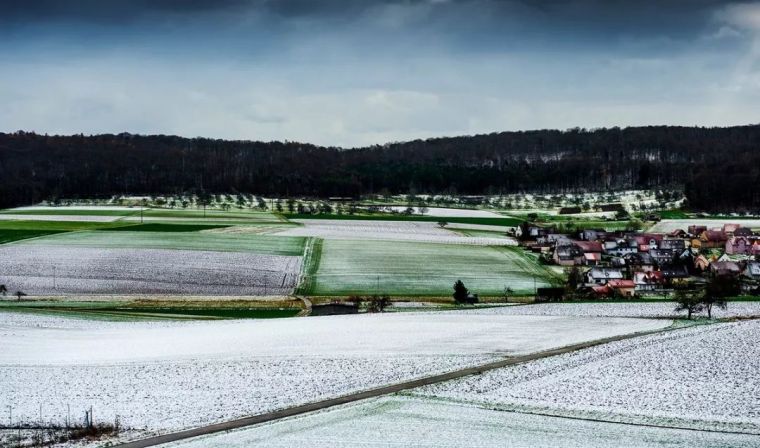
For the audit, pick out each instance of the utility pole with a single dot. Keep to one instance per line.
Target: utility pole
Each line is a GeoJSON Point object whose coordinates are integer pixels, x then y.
{"type": "Point", "coordinates": [10, 416]}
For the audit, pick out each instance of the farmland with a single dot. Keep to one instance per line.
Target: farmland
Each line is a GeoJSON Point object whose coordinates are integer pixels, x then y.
{"type": "Point", "coordinates": [408, 268]}
{"type": "Point", "coordinates": [696, 378]}
{"type": "Point", "coordinates": [428, 422]}
{"type": "Point", "coordinates": [126, 249]}
{"type": "Point", "coordinates": [173, 375]}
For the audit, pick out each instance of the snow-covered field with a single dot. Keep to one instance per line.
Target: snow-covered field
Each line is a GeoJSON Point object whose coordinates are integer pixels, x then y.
{"type": "Point", "coordinates": [622, 309]}
{"type": "Point", "coordinates": [172, 375]}
{"type": "Point", "coordinates": [52, 269]}
{"type": "Point", "coordinates": [428, 232]}
{"type": "Point", "coordinates": [413, 422]}
{"type": "Point", "coordinates": [669, 225]}
{"type": "Point", "coordinates": [701, 377]}
{"type": "Point", "coordinates": [449, 212]}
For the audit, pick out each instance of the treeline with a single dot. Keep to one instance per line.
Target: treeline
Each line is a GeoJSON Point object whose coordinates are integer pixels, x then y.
{"type": "Point", "coordinates": [718, 168]}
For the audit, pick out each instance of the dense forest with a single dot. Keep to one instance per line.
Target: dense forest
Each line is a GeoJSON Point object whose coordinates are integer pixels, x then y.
{"type": "Point", "coordinates": [718, 168]}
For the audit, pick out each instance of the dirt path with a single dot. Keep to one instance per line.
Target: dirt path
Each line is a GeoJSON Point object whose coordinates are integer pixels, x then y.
{"type": "Point", "coordinates": [372, 393]}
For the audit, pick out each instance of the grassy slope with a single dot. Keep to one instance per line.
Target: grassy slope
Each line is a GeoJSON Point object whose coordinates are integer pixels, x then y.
{"type": "Point", "coordinates": [422, 269]}
{"type": "Point", "coordinates": [261, 244]}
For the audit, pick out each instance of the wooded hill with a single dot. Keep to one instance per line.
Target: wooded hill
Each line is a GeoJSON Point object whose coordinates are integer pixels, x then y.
{"type": "Point", "coordinates": [718, 168]}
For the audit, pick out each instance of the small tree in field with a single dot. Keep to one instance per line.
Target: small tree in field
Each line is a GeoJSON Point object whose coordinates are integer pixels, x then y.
{"type": "Point", "coordinates": [507, 293]}
{"type": "Point", "coordinates": [3, 290]}
{"type": "Point", "coordinates": [378, 304]}
{"type": "Point", "coordinates": [460, 292]}
{"type": "Point", "coordinates": [19, 295]}
{"type": "Point", "coordinates": [718, 289]}
{"type": "Point", "coordinates": [442, 224]}
{"type": "Point", "coordinates": [689, 301]}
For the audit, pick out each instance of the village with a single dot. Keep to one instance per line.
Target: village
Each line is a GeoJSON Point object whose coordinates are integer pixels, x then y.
{"type": "Point", "coordinates": [626, 264]}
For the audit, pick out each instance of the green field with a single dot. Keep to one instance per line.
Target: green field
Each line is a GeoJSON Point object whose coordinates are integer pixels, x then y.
{"type": "Point", "coordinates": [63, 211]}
{"type": "Point", "coordinates": [421, 269]}
{"type": "Point", "coordinates": [261, 244]}
{"type": "Point", "coordinates": [10, 235]}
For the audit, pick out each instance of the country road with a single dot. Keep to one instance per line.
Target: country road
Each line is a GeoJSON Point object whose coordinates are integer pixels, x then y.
{"type": "Point", "coordinates": [372, 393]}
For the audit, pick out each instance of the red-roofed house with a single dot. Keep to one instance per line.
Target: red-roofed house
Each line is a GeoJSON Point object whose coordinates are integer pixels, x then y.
{"type": "Point", "coordinates": [713, 238]}
{"type": "Point", "coordinates": [626, 288]}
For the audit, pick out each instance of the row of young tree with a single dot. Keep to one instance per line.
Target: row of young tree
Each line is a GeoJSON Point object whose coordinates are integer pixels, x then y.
{"type": "Point", "coordinates": [716, 167]}
{"type": "Point", "coordinates": [704, 298]}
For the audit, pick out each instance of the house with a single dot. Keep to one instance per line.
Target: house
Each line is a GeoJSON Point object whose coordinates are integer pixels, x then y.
{"type": "Point", "coordinates": [591, 258]}
{"type": "Point", "coordinates": [647, 281]}
{"type": "Point", "coordinates": [646, 242]}
{"type": "Point", "coordinates": [743, 231]}
{"type": "Point", "coordinates": [620, 248]}
{"type": "Point", "coordinates": [625, 288]}
{"type": "Point", "coordinates": [725, 268]}
{"type": "Point", "coordinates": [641, 261]}
{"type": "Point", "coordinates": [678, 233]}
{"type": "Point", "coordinates": [568, 255]}
{"type": "Point", "coordinates": [713, 238]}
{"type": "Point", "coordinates": [589, 246]}
{"type": "Point", "coordinates": [696, 243]}
{"type": "Point", "coordinates": [701, 263]}
{"type": "Point", "coordinates": [569, 210]}
{"type": "Point", "coordinates": [673, 244]}
{"type": "Point", "coordinates": [674, 274]}
{"type": "Point", "coordinates": [752, 271]}
{"type": "Point", "coordinates": [738, 245]}
{"type": "Point", "coordinates": [592, 234]}
{"type": "Point", "coordinates": [696, 230]}
{"type": "Point", "coordinates": [729, 229]}
{"type": "Point", "coordinates": [663, 256]}
{"type": "Point", "coordinates": [755, 249]}
{"type": "Point", "coordinates": [600, 275]}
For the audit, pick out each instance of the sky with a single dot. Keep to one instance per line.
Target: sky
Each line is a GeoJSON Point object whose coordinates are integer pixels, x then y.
{"type": "Point", "coordinates": [356, 73]}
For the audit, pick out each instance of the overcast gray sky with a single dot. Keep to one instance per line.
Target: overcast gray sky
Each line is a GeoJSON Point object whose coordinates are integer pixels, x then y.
{"type": "Point", "coordinates": [353, 73]}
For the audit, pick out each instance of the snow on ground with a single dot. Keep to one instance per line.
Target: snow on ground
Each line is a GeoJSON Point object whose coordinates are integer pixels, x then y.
{"type": "Point", "coordinates": [448, 212]}
{"type": "Point", "coordinates": [669, 225]}
{"type": "Point", "coordinates": [61, 218]}
{"type": "Point", "coordinates": [172, 375]}
{"type": "Point", "coordinates": [403, 421]}
{"type": "Point", "coordinates": [617, 309]}
{"type": "Point", "coordinates": [703, 377]}
{"type": "Point", "coordinates": [428, 232]}
{"type": "Point", "coordinates": [50, 270]}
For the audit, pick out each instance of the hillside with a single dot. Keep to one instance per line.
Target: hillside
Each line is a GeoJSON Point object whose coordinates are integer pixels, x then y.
{"type": "Point", "coordinates": [716, 167]}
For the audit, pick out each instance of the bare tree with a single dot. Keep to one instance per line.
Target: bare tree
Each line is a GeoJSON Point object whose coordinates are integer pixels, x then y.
{"type": "Point", "coordinates": [689, 301]}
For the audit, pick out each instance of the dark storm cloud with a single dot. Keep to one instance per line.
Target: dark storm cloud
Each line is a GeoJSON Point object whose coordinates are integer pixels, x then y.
{"type": "Point", "coordinates": [594, 14]}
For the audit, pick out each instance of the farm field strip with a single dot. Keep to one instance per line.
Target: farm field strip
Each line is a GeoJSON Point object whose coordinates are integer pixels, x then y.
{"type": "Point", "coordinates": [174, 375]}
{"type": "Point", "coordinates": [201, 241]}
{"type": "Point", "coordinates": [700, 378]}
{"type": "Point", "coordinates": [398, 268]}
{"type": "Point", "coordinates": [423, 422]}
{"type": "Point", "coordinates": [443, 212]}
{"type": "Point", "coordinates": [617, 309]}
{"type": "Point", "coordinates": [52, 217]}
{"type": "Point", "coordinates": [427, 232]}
{"type": "Point", "coordinates": [39, 269]}
{"type": "Point", "coordinates": [669, 225]}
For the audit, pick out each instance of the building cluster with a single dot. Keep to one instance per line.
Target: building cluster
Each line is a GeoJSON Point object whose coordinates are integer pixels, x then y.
{"type": "Point", "coordinates": [626, 263]}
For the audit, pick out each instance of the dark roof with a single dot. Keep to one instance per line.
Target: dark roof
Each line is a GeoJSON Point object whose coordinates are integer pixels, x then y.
{"type": "Point", "coordinates": [569, 210]}
{"type": "Point", "coordinates": [674, 272]}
